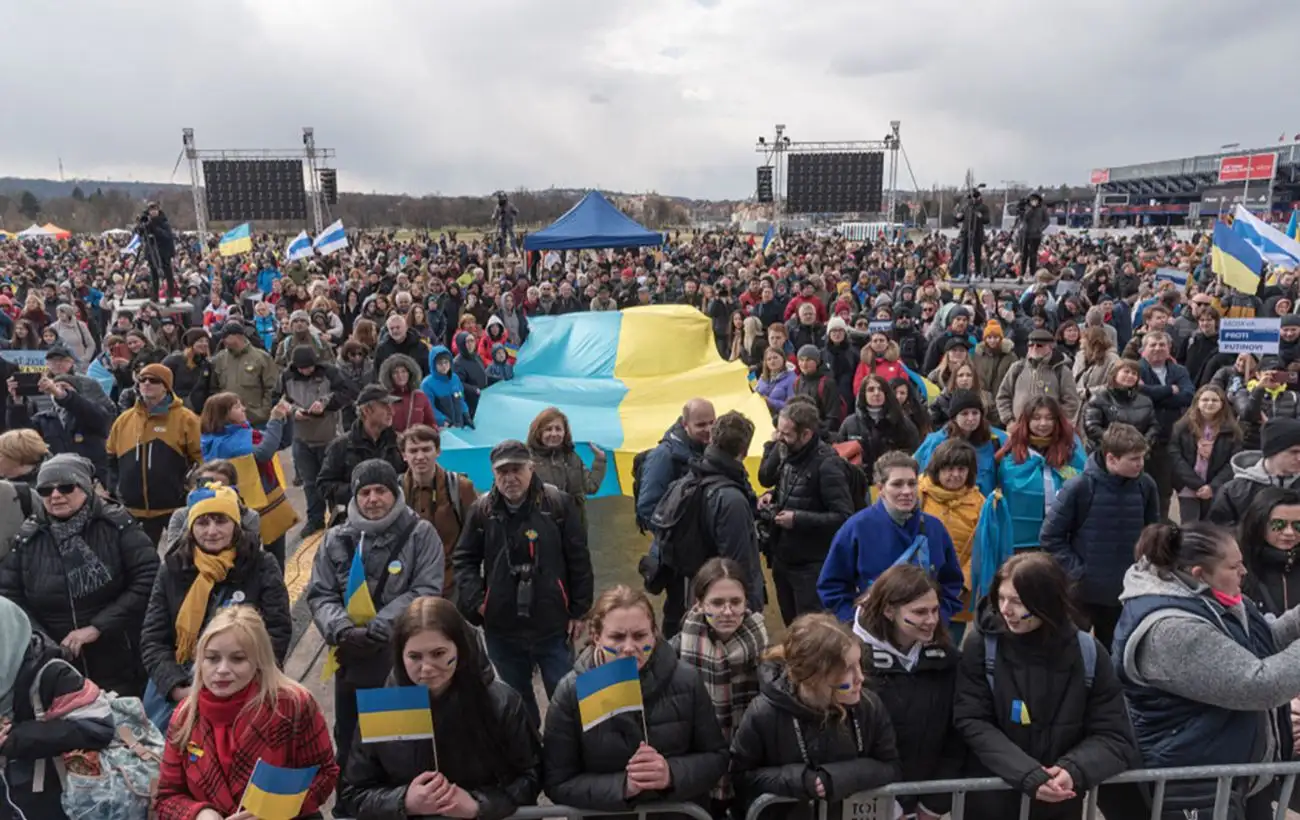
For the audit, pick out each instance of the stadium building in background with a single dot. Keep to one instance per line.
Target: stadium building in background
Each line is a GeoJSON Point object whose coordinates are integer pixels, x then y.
{"type": "Point", "coordinates": [1195, 190]}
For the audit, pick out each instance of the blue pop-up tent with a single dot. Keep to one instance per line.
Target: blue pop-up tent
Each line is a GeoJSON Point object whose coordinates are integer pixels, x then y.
{"type": "Point", "coordinates": [592, 223]}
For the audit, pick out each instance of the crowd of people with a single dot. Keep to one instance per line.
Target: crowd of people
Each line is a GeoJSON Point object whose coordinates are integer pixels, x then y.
{"type": "Point", "coordinates": [966, 514]}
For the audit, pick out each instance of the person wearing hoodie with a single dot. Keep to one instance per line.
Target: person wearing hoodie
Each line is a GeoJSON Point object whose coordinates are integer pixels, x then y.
{"type": "Point", "coordinates": [957, 327]}
{"type": "Point", "coordinates": [445, 392]}
{"type": "Point", "coordinates": [74, 335]}
{"type": "Point", "coordinates": [968, 420]}
{"type": "Point", "coordinates": [1269, 536]}
{"type": "Point", "coordinates": [1038, 701]}
{"type": "Point", "coordinates": [813, 380]}
{"type": "Point", "coordinates": [1270, 395]}
{"type": "Point", "coordinates": [501, 369]}
{"type": "Point", "coordinates": [1207, 677]}
{"type": "Point", "coordinates": [33, 675]}
{"type": "Point", "coordinates": [514, 320]}
{"type": "Point", "coordinates": [486, 758]}
{"type": "Point", "coordinates": [1277, 464]}
{"type": "Point", "coordinates": [880, 355]}
{"type": "Point", "coordinates": [399, 376]}
{"type": "Point", "coordinates": [892, 531]}
{"type": "Point", "coordinates": [671, 749]}
{"type": "Point", "coordinates": [470, 369]}
{"type": "Point", "coordinates": [670, 459]}
{"type": "Point", "coordinates": [878, 423]}
{"type": "Point", "coordinates": [1096, 519]}
{"type": "Point", "coordinates": [815, 733]}
{"type": "Point", "coordinates": [993, 356]}
{"type": "Point", "coordinates": [913, 663]}
{"type": "Point", "coordinates": [494, 334]}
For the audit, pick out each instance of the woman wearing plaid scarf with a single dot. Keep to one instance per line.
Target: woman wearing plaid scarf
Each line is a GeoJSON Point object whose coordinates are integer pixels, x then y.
{"type": "Point", "coordinates": [722, 639]}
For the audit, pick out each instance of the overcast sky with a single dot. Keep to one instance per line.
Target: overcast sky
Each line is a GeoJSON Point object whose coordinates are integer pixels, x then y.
{"type": "Point", "coordinates": [468, 96]}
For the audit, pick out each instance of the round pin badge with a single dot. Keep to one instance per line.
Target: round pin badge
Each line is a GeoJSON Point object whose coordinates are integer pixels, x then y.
{"type": "Point", "coordinates": [394, 567]}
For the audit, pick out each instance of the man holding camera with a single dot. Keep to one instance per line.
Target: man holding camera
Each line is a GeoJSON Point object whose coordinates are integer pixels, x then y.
{"type": "Point", "coordinates": [76, 415]}
{"type": "Point", "coordinates": [971, 217]}
{"type": "Point", "coordinates": [1033, 222]}
{"type": "Point", "coordinates": [159, 247]}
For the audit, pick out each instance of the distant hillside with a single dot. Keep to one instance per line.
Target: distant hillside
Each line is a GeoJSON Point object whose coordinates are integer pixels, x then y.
{"type": "Point", "coordinates": [53, 188]}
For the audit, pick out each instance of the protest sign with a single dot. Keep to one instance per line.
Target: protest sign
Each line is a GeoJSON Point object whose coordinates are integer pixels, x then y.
{"type": "Point", "coordinates": [1256, 336]}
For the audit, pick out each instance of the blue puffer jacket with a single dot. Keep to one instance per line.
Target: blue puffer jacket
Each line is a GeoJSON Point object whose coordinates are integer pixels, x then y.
{"type": "Point", "coordinates": [446, 393]}
{"type": "Point", "coordinates": [1094, 541]}
{"type": "Point", "coordinates": [663, 465]}
{"type": "Point", "coordinates": [986, 474]}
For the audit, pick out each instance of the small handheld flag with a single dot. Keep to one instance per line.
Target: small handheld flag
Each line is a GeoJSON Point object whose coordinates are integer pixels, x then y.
{"type": "Point", "coordinates": [769, 237]}
{"type": "Point", "coordinates": [610, 689]}
{"type": "Point", "coordinates": [299, 247]}
{"type": "Point", "coordinates": [1293, 227]}
{"type": "Point", "coordinates": [356, 597]}
{"type": "Point", "coordinates": [277, 794]}
{"type": "Point", "coordinates": [237, 240]}
{"type": "Point", "coordinates": [333, 238]}
{"type": "Point", "coordinates": [134, 245]}
{"type": "Point", "coordinates": [394, 713]}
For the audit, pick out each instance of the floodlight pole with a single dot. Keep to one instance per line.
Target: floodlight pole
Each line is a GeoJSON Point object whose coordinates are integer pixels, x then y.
{"type": "Point", "coordinates": [200, 207]}
{"type": "Point", "coordinates": [893, 145]}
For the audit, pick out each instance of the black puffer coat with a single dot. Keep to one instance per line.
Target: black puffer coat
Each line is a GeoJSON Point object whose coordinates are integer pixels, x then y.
{"type": "Point", "coordinates": [1118, 404]}
{"type": "Point", "coordinates": [848, 754]}
{"type": "Point", "coordinates": [377, 774]}
{"type": "Point", "coordinates": [33, 576]}
{"type": "Point", "coordinates": [842, 362]}
{"type": "Point", "coordinates": [587, 769]}
{"type": "Point", "coordinates": [1182, 456]}
{"type": "Point", "coordinates": [877, 437]}
{"type": "Point", "coordinates": [919, 704]}
{"type": "Point", "coordinates": [813, 484]}
{"type": "Point", "coordinates": [1083, 730]}
{"type": "Point", "coordinates": [256, 580]}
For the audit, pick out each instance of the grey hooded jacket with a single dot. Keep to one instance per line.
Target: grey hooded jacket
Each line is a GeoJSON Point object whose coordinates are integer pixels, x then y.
{"type": "Point", "coordinates": [1248, 478]}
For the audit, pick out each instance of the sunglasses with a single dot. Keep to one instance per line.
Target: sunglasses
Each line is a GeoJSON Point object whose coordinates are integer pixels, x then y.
{"type": "Point", "coordinates": [1280, 524]}
{"type": "Point", "coordinates": [64, 489]}
{"type": "Point", "coordinates": [150, 380]}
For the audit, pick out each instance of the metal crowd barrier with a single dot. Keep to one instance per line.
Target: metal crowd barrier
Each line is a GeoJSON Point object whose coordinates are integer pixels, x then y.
{"type": "Point", "coordinates": [877, 804]}
{"type": "Point", "coordinates": [691, 810]}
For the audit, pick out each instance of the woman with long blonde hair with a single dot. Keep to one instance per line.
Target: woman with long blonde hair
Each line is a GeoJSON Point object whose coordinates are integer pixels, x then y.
{"type": "Point", "coordinates": [240, 709]}
{"type": "Point", "coordinates": [814, 733]}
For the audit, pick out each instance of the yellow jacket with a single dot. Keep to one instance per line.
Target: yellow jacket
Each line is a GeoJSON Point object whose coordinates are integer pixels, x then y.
{"type": "Point", "coordinates": [150, 455]}
{"type": "Point", "coordinates": [960, 512]}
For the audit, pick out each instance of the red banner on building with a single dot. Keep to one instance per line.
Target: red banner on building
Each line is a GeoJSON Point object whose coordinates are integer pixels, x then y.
{"type": "Point", "coordinates": [1243, 168]}
{"type": "Point", "coordinates": [1100, 176]}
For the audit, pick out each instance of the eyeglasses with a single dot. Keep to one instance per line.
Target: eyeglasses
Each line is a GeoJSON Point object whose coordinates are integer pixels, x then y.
{"type": "Point", "coordinates": [150, 380]}
{"type": "Point", "coordinates": [64, 489]}
{"type": "Point", "coordinates": [1280, 524]}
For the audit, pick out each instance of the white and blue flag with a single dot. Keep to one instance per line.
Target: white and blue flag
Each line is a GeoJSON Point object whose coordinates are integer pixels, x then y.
{"type": "Point", "coordinates": [299, 247]}
{"type": "Point", "coordinates": [132, 246]}
{"type": "Point", "coordinates": [331, 239]}
{"type": "Point", "coordinates": [1275, 246]}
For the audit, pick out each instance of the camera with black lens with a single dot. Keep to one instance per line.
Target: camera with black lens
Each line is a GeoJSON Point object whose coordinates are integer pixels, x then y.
{"type": "Point", "coordinates": [523, 575]}
{"type": "Point", "coordinates": [765, 527]}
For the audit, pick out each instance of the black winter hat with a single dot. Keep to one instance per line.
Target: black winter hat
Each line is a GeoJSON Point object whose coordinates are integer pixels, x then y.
{"type": "Point", "coordinates": [965, 400]}
{"type": "Point", "coordinates": [303, 356]}
{"type": "Point", "coordinates": [1280, 434]}
{"type": "Point", "coordinates": [374, 471]}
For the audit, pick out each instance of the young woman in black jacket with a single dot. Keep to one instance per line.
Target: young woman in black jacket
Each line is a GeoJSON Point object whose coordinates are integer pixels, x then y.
{"type": "Point", "coordinates": [214, 565]}
{"type": "Point", "coordinates": [1269, 535]}
{"type": "Point", "coordinates": [613, 766]}
{"type": "Point", "coordinates": [878, 423]}
{"type": "Point", "coordinates": [76, 718]}
{"type": "Point", "coordinates": [814, 733]}
{"type": "Point", "coordinates": [489, 755]}
{"type": "Point", "coordinates": [913, 667]}
{"type": "Point", "coordinates": [1201, 450]}
{"type": "Point", "coordinates": [1028, 705]}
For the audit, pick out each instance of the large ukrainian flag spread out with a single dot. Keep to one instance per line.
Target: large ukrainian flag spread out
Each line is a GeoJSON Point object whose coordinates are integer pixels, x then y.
{"type": "Point", "coordinates": [621, 377]}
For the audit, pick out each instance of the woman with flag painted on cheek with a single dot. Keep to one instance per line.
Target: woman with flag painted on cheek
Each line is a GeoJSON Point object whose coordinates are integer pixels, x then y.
{"type": "Point", "coordinates": [723, 639]}
{"type": "Point", "coordinates": [241, 709]}
{"type": "Point", "coordinates": [489, 756]}
{"type": "Point", "coordinates": [631, 724]}
{"type": "Point", "coordinates": [814, 733]}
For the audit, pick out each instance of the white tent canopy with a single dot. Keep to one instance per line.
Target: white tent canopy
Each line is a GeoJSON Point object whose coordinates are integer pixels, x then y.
{"type": "Point", "coordinates": [35, 232]}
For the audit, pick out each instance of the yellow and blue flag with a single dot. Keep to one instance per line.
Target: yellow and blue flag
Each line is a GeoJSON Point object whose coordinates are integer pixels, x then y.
{"type": "Point", "coordinates": [769, 237]}
{"type": "Point", "coordinates": [1233, 259]}
{"type": "Point", "coordinates": [236, 240]}
{"type": "Point", "coordinates": [1019, 713]}
{"type": "Point", "coordinates": [394, 713]}
{"type": "Point", "coordinates": [277, 794]}
{"type": "Point", "coordinates": [608, 690]}
{"type": "Point", "coordinates": [356, 596]}
{"type": "Point", "coordinates": [1293, 227]}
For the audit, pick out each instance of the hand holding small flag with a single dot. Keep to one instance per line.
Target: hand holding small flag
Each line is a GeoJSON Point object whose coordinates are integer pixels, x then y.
{"type": "Point", "coordinates": [647, 771]}
{"type": "Point", "coordinates": [274, 793]}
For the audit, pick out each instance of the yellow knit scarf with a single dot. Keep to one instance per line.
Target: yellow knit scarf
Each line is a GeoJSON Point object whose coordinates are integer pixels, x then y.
{"type": "Point", "coordinates": [213, 569]}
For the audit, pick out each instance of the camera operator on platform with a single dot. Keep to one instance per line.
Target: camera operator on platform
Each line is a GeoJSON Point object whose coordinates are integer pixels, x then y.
{"type": "Point", "coordinates": [504, 216]}
{"type": "Point", "coordinates": [159, 247]}
{"type": "Point", "coordinates": [971, 216]}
